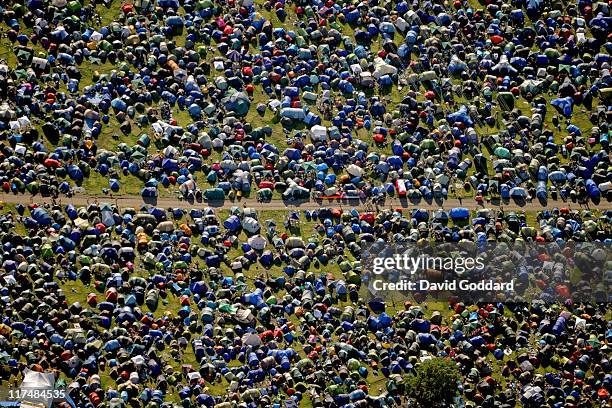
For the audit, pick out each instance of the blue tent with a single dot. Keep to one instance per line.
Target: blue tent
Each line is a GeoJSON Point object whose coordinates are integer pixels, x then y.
{"type": "Point", "coordinates": [150, 192]}
{"type": "Point", "coordinates": [541, 190]}
{"type": "Point", "coordinates": [542, 173]}
{"type": "Point", "coordinates": [175, 21]}
{"type": "Point", "coordinates": [459, 213]}
{"type": "Point", "coordinates": [426, 339]}
{"type": "Point", "coordinates": [557, 176]}
{"type": "Point", "coordinates": [113, 184]}
{"type": "Point", "coordinates": [75, 172]}
{"type": "Point", "coordinates": [559, 326]}
{"type": "Point", "coordinates": [420, 325]}
{"type": "Point", "coordinates": [119, 104]}
{"type": "Point", "coordinates": [71, 212]}
{"type": "Point", "coordinates": [592, 189]}
{"type": "Point", "coordinates": [170, 165]}
{"type": "Point", "coordinates": [564, 105]}
{"type": "Point", "coordinates": [460, 116]}
{"type": "Point", "coordinates": [232, 223]}
{"type": "Point", "coordinates": [293, 154]}
{"type": "Point", "coordinates": [41, 216]}
{"type": "Point", "coordinates": [518, 192]}
{"type": "Point", "coordinates": [168, 4]}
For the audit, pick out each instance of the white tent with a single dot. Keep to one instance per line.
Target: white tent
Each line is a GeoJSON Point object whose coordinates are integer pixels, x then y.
{"type": "Point", "coordinates": [194, 376]}
{"type": "Point", "coordinates": [354, 171]}
{"type": "Point", "coordinates": [20, 149]}
{"type": "Point", "coordinates": [251, 339]}
{"type": "Point", "coordinates": [96, 36]}
{"type": "Point", "coordinates": [251, 225]}
{"type": "Point", "coordinates": [356, 69]}
{"type": "Point", "coordinates": [20, 123]}
{"type": "Point", "coordinates": [39, 63]}
{"type": "Point", "coordinates": [244, 316]}
{"type": "Point", "coordinates": [294, 242]}
{"type": "Point", "coordinates": [428, 76]}
{"type": "Point", "coordinates": [138, 361]}
{"type": "Point", "coordinates": [366, 79]}
{"type": "Point", "coordinates": [40, 381]}
{"type": "Point", "coordinates": [382, 68]}
{"type": "Point", "coordinates": [6, 112]}
{"type": "Point", "coordinates": [170, 151]}
{"type": "Point", "coordinates": [165, 226]}
{"type": "Point", "coordinates": [217, 143]}
{"type": "Point", "coordinates": [257, 242]}
{"type": "Point", "coordinates": [205, 141]}
{"type": "Point", "coordinates": [318, 133]}
{"type": "Point", "coordinates": [401, 24]}
{"type": "Point", "coordinates": [187, 186]}
{"type": "Point", "coordinates": [330, 191]}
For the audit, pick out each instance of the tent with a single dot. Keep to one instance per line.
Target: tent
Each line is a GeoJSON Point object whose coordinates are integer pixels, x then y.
{"type": "Point", "coordinates": [296, 192]}
{"type": "Point", "coordinates": [149, 192]}
{"type": "Point", "coordinates": [461, 116]}
{"type": "Point", "coordinates": [152, 300]}
{"type": "Point", "coordinates": [564, 105]}
{"type": "Point", "coordinates": [257, 242]}
{"type": "Point", "coordinates": [354, 171]}
{"type": "Point", "coordinates": [238, 103]}
{"type": "Point", "coordinates": [459, 213]}
{"type": "Point", "coordinates": [214, 194]}
{"type": "Point", "coordinates": [251, 339]}
{"type": "Point", "coordinates": [502, 152]}
{"type": "Point", "coordinates": [251, 225]}
{"type": "Point", "coordinates": [382, 68]}
{"type": "Point", "coordinates": [531, 86]}
{"type": "Point", "coordinates": [37, 381]}
{"type": "Point", "coordinates": [318, 133]}
{"type": "Point", "coordinates": [506, 99]}
{"type": "Point", "coordinates": [232, 223]}
{"type": "Point", "coordinates": [518, 193]}
{"type": "Point", "coordinates": [41, 216]}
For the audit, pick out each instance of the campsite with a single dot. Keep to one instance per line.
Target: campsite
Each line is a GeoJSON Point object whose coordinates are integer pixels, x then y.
{"type": "Point", "coordinates": [190, 189]}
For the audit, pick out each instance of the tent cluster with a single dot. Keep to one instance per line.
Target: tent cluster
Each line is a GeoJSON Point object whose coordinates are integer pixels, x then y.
{"type": "Point", "coordinates": [152, 306]}
{"type": "Point", "coordinates": [509, 100]}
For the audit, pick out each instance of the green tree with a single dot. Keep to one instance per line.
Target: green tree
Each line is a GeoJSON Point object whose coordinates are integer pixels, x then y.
{"type": "Point", "coordinates": [434, 383]}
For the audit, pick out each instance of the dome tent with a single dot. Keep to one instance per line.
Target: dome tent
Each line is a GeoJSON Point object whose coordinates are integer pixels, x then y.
{"type": "Point", "coordinates": [237, 102]}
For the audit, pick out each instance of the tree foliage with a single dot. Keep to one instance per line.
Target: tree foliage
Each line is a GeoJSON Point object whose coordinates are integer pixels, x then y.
{"type": "Point", "coordinates": [434, 383]}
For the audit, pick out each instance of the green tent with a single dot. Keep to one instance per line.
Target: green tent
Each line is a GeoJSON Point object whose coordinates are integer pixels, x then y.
{"type": "Point", "coordinates": [238, 103]}
{"type": "Point", "coordinates": [227, 308]}
{"type": "Point", "coordinates": [506, 100]}
{"type": "Point", "coordinates": [265, 194]}
{"type": "Point", "coordinates": [428, 144]}
{"type": "Point", "coordinates": [46, 251]}
{"type": "Point", "coordinates": [105, 45]}
{"type": "Point", "coordinates": [74, 6]}
{"type": "Point", "coordinates": [214, 194]}
{"type": "Point", "coordinates": [32, 187]}
{"type": "Point", "coordinates": [152, 300]}
{"type": "Point", "coordinates": [502, 152]}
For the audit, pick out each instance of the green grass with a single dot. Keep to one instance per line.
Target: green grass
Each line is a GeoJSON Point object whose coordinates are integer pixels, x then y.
{"type": "Point", "coordinates": [110, 13]}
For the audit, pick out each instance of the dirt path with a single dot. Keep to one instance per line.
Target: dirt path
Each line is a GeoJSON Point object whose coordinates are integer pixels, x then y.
{"type": "Point", "coordinates": [81, 200]}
